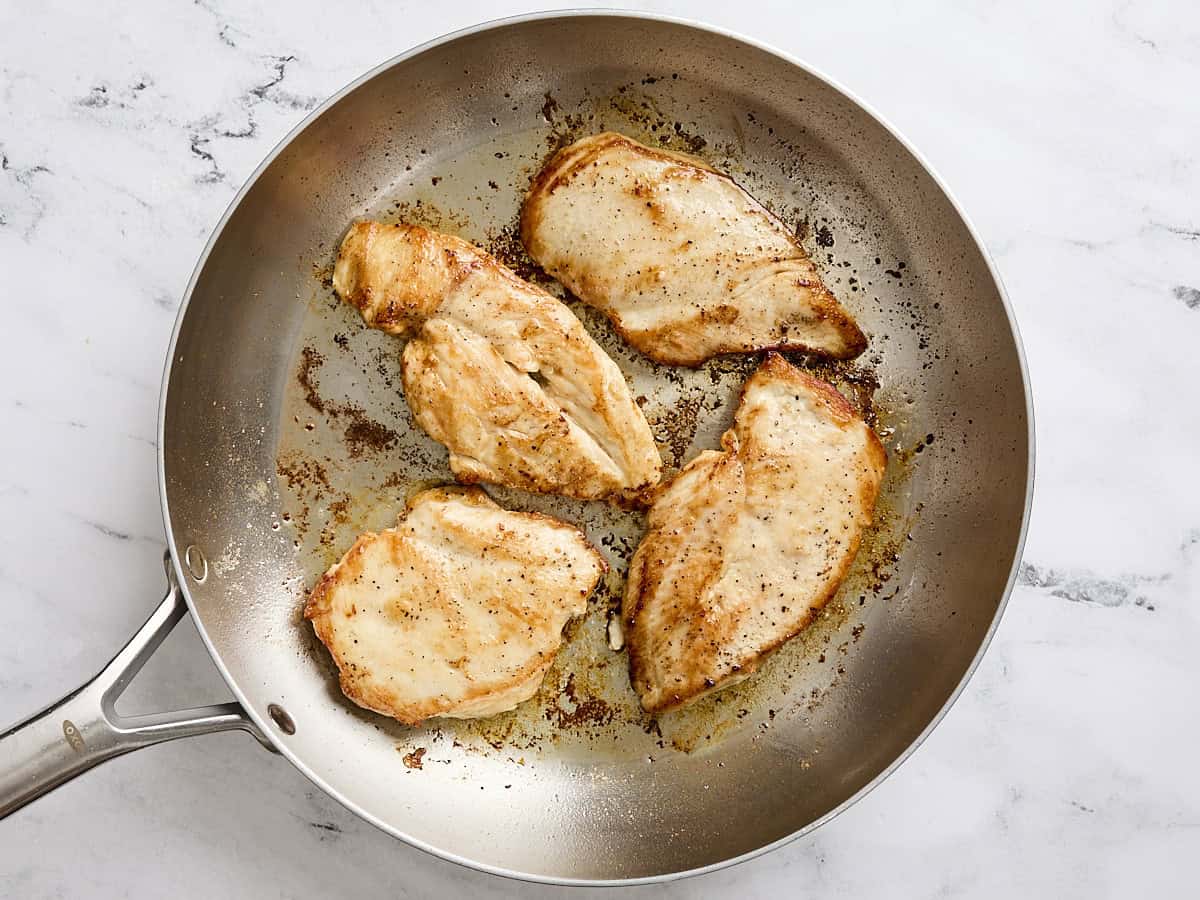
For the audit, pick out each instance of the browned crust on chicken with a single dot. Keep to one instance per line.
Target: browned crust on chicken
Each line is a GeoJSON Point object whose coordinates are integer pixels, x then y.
{"type": "Point", "coordinates": [788, 308]}
{"type": "Point", "coordinates": [496, 369]}
{"type": "Point", "coordinates": [543, 570]}
{"type": "Point", "coordinates": [584, 152]}
{"type": "Point", "coordinates": [727, 572]}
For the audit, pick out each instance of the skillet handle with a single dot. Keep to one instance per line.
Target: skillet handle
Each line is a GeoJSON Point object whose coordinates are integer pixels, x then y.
{"type": "Point", "coordinates": [83, 729]}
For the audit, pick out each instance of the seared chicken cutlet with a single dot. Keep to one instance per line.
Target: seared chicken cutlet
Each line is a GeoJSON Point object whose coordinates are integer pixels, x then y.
{"type": "Point", "coordinates": [458, 611]}
{"type": "Point", "coordinates": [684, 262]}
{"type": "Point", "coordinates": [750, 541]}
{"type": "Point", "coordinates": [496, 369]}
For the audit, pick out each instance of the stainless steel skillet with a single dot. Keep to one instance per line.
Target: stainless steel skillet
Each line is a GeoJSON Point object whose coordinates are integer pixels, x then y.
{"type": "Point", "coordinates": [282, 432]}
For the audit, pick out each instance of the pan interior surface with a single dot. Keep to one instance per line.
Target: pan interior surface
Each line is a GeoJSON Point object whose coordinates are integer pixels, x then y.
{"type": "Point", "coordinates": [286, 434]}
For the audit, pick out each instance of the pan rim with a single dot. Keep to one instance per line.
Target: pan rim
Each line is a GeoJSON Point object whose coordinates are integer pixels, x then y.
{"type": "Point", "coordinates": [600, 12]}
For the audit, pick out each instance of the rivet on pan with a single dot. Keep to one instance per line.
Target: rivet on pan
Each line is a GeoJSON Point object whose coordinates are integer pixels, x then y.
{"type": "Point", "coordinates": [280, 717]}
{"type": "Point", "coordinates": [197, 565]}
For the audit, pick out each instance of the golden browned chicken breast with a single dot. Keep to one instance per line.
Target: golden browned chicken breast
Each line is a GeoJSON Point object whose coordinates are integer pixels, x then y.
{"type": "Point", "coordinates": [458, 611]}
{"type": "Point", "coordinates": [750, 541]}
{"type": "Point", "coordinates": [498, 370]}
{"type": "Point", "coordinates": [684, 262]}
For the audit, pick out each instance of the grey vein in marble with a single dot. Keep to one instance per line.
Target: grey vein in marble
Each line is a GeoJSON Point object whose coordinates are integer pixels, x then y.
{"type": "Point", "coordinates": [1087, 587]}
{"type": "Point", "coordinates": [21, 204]}
{"type": "Point", "coordinates": [1189, 295]}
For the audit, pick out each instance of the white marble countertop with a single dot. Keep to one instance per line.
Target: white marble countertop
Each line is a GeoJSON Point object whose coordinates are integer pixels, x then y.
{"type": "Point", "coordinates": [1072, 136]}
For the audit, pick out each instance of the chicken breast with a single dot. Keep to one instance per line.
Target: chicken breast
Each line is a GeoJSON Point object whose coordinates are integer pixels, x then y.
{"type": "Point", "coordinates": [684, 262]}
{"type": "Point", "coordinates": [497, 370]}
{"type": "Point", "coordinates": [750, 541]}
{"type": "Point", "coordinates": [458, 611]}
